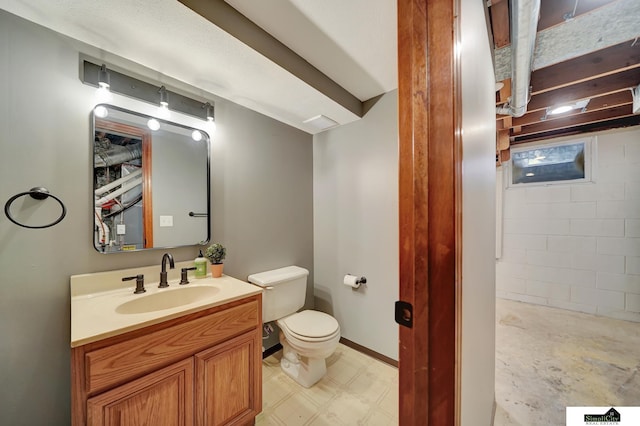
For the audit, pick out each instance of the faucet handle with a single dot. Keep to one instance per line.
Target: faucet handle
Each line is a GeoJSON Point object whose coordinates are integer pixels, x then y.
{"type": "Point", "coordinates": [139, 283]}
{"type": "Point", "coordinates": [183, 275]}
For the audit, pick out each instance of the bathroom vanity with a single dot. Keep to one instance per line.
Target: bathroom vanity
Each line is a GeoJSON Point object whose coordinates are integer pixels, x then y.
{"type": "Point", "coordinates": [186, 355]}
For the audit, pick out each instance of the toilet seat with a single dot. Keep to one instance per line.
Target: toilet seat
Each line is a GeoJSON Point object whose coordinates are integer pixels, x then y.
{"type": "Point", "coordinates": [310, 326]}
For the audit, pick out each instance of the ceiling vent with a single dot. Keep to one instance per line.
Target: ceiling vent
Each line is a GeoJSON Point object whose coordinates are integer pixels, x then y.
{"type": "Point", "coordinates": [321, 122]}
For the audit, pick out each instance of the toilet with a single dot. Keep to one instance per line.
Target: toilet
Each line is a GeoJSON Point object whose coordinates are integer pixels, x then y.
{"type": "Point", "coordinates": [307, 337]}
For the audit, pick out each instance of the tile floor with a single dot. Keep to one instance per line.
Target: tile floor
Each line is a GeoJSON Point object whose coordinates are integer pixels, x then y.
{"type": "Point", "coordinates": [546, 359]}
{"type": "Point", "coordinates": [357, 390]}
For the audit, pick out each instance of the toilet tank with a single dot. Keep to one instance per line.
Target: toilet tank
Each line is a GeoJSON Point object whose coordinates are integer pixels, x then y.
{"type": "Point", "coordinates": [285, 291]}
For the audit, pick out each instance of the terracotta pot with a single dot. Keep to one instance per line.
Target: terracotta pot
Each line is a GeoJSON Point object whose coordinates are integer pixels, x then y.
{"type": "Point", "coordinates": [216, 270]}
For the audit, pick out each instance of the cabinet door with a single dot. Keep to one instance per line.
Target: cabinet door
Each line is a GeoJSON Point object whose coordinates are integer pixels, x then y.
{"type": "Point", "coordinates": [228, 382]}
{"type": "Point", "coordinates": [162, 398]}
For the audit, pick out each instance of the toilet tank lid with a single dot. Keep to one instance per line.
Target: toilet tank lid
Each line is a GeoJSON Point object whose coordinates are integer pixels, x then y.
{"type": "Point", "coordinates": [277, 276]}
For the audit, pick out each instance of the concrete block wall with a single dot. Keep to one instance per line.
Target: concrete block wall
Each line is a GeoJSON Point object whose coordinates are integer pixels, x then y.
{"type": "Point", "coordinates": [577, 246]}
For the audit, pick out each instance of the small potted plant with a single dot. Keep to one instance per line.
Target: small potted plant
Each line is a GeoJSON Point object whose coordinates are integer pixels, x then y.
{"type": "Point", "coordinates": [216, 254]}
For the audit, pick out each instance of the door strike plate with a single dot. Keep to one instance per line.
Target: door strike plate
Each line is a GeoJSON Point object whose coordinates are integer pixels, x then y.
{"type": "Point", "coordinates": [404, 313]}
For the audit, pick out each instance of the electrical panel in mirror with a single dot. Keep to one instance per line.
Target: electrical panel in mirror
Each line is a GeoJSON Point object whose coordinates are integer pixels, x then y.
{"type": "Point", "coordinates": [150, 182]}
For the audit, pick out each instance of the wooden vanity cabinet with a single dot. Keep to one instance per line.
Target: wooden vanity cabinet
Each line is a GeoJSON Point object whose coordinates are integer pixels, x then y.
{"type": "Point", "coordinates": [201, 369]}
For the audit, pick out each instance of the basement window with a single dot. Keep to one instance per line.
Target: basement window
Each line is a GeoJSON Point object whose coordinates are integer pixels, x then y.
{"type": "Point", "coordinates": [564, 162]}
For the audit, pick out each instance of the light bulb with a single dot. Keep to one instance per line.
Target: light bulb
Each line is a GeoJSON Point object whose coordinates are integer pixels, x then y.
{"type": "Point", "coordinates": [103, 95]}
{"type": "Point", "coordinates": [163, 111]}
{"type": "Point", "coordinates": [210, 111]}
{"type": "Point", "coordinates": [560, 110]}
{"type": "Point", "coordinates": [196, 135]}
{"type": "Point", "coordinates": [104, 79]}
{"type": "Point", "coordinates": [101, 111]}
{"type": "Point", "coordinates": [153, 124]}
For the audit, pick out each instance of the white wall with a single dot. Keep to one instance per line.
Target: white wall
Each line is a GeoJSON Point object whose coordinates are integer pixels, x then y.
{"type": "Point", "coordinates": [478, 218]}
{"type": "Point", "coordinates": [355, 211]}
{"type": "Point", "coordinates": [261, 201]}
{"type": "Point", "coordinates": [577, 246]}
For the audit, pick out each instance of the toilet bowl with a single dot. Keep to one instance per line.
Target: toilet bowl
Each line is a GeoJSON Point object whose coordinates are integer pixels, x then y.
{"type": "Point", "coordinates": [307, 337]}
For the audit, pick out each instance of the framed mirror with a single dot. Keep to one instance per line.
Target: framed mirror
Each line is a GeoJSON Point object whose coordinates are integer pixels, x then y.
{"type": "Point", "coordinates": [150, 182]}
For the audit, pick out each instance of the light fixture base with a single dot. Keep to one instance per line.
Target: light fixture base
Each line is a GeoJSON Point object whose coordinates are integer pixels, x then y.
{"type": "Point", "coordinates": [636, 100]}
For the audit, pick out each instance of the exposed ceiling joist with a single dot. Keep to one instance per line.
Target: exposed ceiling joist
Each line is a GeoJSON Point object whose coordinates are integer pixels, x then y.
{"type": "Point", "coordinates": [613, 23]}
{"type": "Point", "coordinates": [585, 49]}
{"type": "Point", "coordinates": [584, 118]}
{"type": "Point", "coordinates": [599, 103]}
{"type": "Point", "coordinates": [613, 59]}
{"type": "Point", "coordinates": [587, 89]}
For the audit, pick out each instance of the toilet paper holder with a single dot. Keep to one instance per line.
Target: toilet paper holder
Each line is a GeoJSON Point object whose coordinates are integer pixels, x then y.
{"type": "Point", "coordinates": [354, 281]}
{"type": "Point", "coordinates": [361, 280]}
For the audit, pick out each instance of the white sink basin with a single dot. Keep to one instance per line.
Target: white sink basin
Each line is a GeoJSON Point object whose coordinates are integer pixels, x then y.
{"type": "Point", "coordinates": [166, 299]}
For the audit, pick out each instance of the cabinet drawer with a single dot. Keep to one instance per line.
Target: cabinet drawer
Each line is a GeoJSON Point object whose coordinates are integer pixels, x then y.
{"type": "Point", "coordinates": [123, 361]}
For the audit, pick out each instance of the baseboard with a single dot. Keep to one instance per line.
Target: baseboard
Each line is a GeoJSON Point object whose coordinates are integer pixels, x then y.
{"type": "Point", "coordinates": [367, 351]}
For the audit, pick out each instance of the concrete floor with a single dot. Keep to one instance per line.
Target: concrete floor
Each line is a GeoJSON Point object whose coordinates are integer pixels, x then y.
{"type": "Point", "coordinates": [548, 359]}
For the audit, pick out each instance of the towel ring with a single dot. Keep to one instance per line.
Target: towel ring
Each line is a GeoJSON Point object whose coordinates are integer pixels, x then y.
{"type": "Point", "coordinates": [37, 193]}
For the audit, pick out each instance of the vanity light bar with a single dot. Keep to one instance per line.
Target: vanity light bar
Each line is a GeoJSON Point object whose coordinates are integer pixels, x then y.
{"type": "Point", "coordinates": [122, 84]}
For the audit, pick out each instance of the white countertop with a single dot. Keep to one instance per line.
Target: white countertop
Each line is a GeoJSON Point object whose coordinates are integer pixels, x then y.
{"type": "Point", "coordinates": [95, 298]}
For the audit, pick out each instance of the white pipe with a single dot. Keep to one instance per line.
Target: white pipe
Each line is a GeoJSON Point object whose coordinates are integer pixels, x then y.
{"type": "Point", "coordinates": [117, 182]}
{"type": "Point", "coordinates": [120, 191]}
{"type": "Point", "coordinates": [524, 27]}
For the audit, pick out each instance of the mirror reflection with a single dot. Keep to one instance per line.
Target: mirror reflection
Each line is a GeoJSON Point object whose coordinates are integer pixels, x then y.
{"type": "Point", "coordinates": [150, 182]}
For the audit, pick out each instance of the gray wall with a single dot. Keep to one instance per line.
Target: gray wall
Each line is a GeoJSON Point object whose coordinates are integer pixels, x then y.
{"type": "Point", "coordinates": [262, 204]}
{"type": "Point", "coordinates": [355, 184]}
{"type": "Point", "coordinates": [179, 185]}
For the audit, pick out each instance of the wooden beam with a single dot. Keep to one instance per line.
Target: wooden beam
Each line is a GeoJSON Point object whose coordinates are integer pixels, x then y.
{"type": "Point", "coordinates": [582, 119]}
{"type": "Point", "coordinates": [503, 139]}
{"type": "Point", "coordinates": [504, 93]}
{"type": "Point", "coordinates": [616, 123]}
{"type": "Point", "coordinates": [499, 12]}
{"type": "Point", "coordinates": [587, 67]}
{"type": "Point", "coordinates": [622, 97]}
{"type": "Point", "coordinates": [588, 89]}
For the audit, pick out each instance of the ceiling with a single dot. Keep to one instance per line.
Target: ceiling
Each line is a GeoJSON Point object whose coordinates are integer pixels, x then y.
{"type": "Point", "coordinates": [294, 60]}
{"type": "Point", "coordinates": [585, 49]}
{"type": "Point", "coordinates": [291, 60]}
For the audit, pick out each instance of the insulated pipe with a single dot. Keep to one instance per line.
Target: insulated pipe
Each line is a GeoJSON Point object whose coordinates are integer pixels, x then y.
{"type": "Point", "coordinates": [117, 182]}
{"type": "Point", "coordinates": [117, 192]}
{"type": "Point", "coordinates": [524, 27]}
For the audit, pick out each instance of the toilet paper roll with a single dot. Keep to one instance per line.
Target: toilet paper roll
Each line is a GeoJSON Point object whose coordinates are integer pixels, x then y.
{"type": "Point", "coordinates": [351, 281]}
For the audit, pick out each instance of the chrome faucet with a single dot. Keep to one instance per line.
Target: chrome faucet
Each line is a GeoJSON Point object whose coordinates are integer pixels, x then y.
{"type": "Point", "coordinates": [163, 272]}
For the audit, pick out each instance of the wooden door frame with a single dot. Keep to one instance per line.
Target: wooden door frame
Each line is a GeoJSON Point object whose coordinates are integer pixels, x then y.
{"type": "Point", "coordinates": [429, 111]}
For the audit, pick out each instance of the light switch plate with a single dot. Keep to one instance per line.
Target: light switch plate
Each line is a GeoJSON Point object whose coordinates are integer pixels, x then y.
{"type": "Point", "coordinates": [166, 221]}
